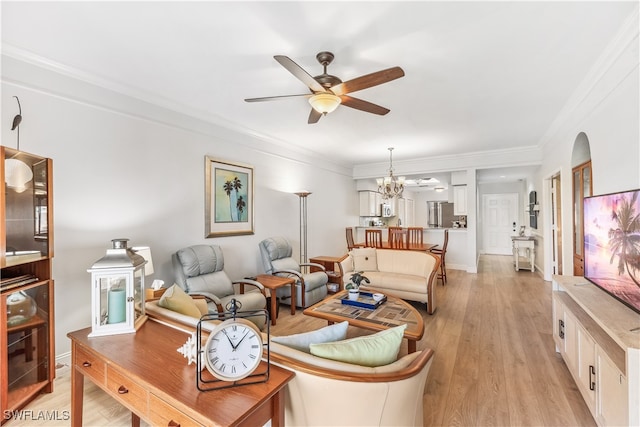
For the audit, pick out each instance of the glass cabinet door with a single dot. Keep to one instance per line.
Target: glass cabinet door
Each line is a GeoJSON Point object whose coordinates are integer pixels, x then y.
{"type": "Point", "coordinates": [27, 337]}
{"type": "Point", "coordinates": [26, 213]}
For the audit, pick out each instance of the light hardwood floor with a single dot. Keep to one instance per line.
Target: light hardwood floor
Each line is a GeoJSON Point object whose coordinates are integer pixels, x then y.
{"type": "Point", "coordinates": [495, 361]}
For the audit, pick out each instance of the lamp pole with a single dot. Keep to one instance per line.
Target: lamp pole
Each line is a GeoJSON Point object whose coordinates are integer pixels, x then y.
{"type": "Point", "coordinates": [303, 224]}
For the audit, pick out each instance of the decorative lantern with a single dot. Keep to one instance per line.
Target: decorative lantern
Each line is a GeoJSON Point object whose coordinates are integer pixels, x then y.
{"type": "Point", "coordinates": [117, 291]}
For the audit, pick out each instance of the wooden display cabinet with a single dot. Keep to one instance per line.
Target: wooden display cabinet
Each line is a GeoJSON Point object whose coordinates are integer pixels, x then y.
{"type": "Point", "coordinates": [333, 270]}
{"type": "Point", "coordinates": [26, 288]}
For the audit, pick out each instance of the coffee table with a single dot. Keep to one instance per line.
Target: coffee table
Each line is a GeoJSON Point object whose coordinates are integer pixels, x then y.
{"type": "Point", "coordinates": [393, 312]}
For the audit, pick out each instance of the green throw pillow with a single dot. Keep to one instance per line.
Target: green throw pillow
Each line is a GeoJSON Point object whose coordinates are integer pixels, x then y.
{"type": "Point", "coordinates": [374, 350]}
{"type": "Point", "coordinates": [302, 341]}
{"type": "Point", "coordinates": [175, 299]}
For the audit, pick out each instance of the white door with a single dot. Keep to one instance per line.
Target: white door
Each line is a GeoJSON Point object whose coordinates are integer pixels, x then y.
{"type": "Point", "coordinates": [500, 222]}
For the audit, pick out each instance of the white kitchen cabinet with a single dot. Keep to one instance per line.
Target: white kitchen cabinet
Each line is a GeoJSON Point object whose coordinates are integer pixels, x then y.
{"type": "Point", "coordinates": [460, 200]}
{"type": "Point", "coordinates": [370, 203]}
{"type": "Point", "coordinates": [410, 213]}
{"type": "Point", "coordinates": [592, 333]}
{"type": "Point", "coordinates": [401, 211]}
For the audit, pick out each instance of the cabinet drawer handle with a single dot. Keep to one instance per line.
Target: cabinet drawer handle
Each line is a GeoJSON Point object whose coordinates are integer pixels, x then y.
{"type": "Point", "coordinates": [592, 374]}
{"type": "Point", "coordinates": [173, 424]}
{"type": "Point", "coordinates": [122, 390]}
{"type": "Point", "coordinates": [86, 364]}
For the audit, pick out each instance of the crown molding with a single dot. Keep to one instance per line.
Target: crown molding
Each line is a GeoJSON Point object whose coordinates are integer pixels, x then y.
{"type": "Point", "coordinates": [522, 156]}
{"type": "Point", "coordinates": [597, 84]}
{"type": "Point", "coordinates": [33, 72]}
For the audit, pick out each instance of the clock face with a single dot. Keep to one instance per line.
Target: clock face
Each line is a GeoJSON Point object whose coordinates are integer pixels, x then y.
{"type": "Point", "coordinates": [233, 350]}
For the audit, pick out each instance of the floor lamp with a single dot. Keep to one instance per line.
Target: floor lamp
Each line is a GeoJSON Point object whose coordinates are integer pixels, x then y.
{"type": "Point", "coordinates": [303, 225]}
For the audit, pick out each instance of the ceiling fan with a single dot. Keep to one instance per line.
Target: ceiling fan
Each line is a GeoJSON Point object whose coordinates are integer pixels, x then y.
{"type": "Point", "coordinates": [328, 92]}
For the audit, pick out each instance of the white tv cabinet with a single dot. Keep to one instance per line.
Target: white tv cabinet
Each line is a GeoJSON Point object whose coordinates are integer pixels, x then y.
{"type": "Point", "coordinates": [599, 340]}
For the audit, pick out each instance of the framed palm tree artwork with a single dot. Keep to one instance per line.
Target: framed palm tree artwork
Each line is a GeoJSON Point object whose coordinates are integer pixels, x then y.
{"type": "Point", "coordinates": [228, 198]}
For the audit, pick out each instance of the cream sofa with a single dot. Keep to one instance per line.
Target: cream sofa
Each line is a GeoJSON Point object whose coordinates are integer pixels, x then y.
{"type": "Point", "coordinates": [405, 274]}
{"type": "Point", "coordinates": [331, 393]}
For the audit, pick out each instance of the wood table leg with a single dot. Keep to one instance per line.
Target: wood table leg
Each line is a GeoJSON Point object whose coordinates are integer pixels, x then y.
{"type": "Point", "coordinates": [77, 395]}
{"type": "Point", "coordinates": [135, 420]}
{"type": "Point", "coordinates": [411, 346]}
{"type": "Point", "coordinates": [274, 306]}
{"type": "Point", "coordinates": [293, 299]}
{"type": "Point", "coordinates": [277, 409]}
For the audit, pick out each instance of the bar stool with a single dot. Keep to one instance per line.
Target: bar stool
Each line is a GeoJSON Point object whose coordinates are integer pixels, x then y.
{"type": "Point", "coordinates": [442, 252]}
{"type": "Point", "coordinates": [373, 238]}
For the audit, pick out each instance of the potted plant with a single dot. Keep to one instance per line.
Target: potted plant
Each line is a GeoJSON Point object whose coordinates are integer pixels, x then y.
{"type": "Point", "coordinates": [354, 285]}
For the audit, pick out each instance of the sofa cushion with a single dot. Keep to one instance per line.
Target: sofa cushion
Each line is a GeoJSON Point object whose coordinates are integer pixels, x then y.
{"type": "Point", "coordinates": [377, 349]}
{"type": "Point", "coordinates": [175, 299]}
{"type": "Point", "coordinates": [364, 259]}
{"type": "Point", "coordinates": [391, 281]}
{"type": "Point", "coordinates": [302, 341]}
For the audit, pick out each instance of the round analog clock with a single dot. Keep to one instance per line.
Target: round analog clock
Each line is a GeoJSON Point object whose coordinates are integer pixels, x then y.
{"type": "Point", "coordinates": [233, 350]}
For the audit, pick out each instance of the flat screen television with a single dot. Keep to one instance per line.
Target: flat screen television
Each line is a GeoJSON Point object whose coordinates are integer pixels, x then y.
{"type": "Point", "coordinates": [612, 245]}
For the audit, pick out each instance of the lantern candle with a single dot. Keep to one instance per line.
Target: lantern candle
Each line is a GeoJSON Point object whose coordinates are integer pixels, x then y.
{"type": "Point", "coordinates": [117, 306]}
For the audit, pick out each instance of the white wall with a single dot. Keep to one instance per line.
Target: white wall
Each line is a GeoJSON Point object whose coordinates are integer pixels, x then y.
{"type": "Point", "coordinates": [123, 168]}
{"type": "Point", "coordinates": [606, 109]}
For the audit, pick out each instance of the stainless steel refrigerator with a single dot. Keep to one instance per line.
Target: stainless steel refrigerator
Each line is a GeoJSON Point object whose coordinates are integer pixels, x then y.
{"type": "Point", "coordinates": [440, 214]}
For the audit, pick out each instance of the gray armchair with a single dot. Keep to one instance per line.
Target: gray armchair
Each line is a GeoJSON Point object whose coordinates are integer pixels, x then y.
{"type": "Point", "coordinates": [199, 270]}
{"type": "Point", "coordinates": [277, 260]}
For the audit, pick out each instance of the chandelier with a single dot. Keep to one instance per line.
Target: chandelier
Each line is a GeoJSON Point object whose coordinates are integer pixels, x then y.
{"type": "Point", "coordinates": [390, 186]}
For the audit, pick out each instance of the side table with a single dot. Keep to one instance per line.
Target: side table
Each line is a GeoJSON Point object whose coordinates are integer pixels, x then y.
{"type": "Point", "coordinates": [528, 245]}
{"type": "Point", "coordinates": [273, 283]}
{"type": "Point", "coordinates": [335, 275]}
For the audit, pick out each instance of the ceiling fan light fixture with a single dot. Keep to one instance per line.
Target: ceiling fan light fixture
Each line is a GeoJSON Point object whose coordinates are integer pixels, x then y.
{"type": "Point", "coordinates": [324, 102]}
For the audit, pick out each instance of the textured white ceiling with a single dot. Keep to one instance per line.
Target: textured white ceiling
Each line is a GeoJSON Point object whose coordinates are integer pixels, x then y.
{"type": "Point", "coordinates": [479, 75]}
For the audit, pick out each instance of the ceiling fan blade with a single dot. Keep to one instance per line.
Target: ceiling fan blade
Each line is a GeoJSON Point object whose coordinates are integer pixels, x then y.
{"type": "Point", "coordinates": [367, 81]}
{"type": "Point", "coordinates": [362, 105]}
{"type": "Point", "coordinates": [314, 116]}
{"type": "Point", "coordinates": [299, 73]}
{"type": "Point", "coordinates": [277, 98]}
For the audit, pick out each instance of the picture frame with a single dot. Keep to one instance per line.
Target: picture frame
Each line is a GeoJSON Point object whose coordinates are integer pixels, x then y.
{"type": "Point", "coordinates": [229, 206]}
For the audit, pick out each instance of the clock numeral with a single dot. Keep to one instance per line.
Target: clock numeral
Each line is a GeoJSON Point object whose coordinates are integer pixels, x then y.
{"type": "Point", "coordinates": [235, 328]}
{"type": "Point", "coordinates": [243, 364]}
{"type": "Point", "coordinates": [253, 356]}
{"type": "Point", "coordinates": [255, 346]}
{"type": "Point", "coordinates": [233, 369]}
{"type": "Point", "coordinates": [223, 367]}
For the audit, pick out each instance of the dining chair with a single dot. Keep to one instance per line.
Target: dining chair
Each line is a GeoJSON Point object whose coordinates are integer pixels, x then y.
{"type": "Point", "coordinates": [415, 236]}
{"type": "Point", "coordinates": [373, 238]}
{"type": "Point", "coordinates": [390, 229]}
{"type": "Point", "coordinates": [350, 241]}
{"type": "Point", "coordinates": [442, 252]}
{"type": "Point", "coordinates": [397, 238]}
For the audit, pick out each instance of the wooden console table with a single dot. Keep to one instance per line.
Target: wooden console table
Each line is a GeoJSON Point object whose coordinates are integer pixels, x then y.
{"type": "Point", "coordinates": [145, 373]}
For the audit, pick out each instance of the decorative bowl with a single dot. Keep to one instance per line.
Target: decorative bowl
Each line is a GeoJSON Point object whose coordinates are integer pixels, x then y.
{"type": "Point", "coordinates": [378, 297]}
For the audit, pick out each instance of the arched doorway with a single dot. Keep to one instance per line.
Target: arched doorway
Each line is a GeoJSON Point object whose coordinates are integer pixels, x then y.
{"type": "Point", "coordinates": [582, 186]}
